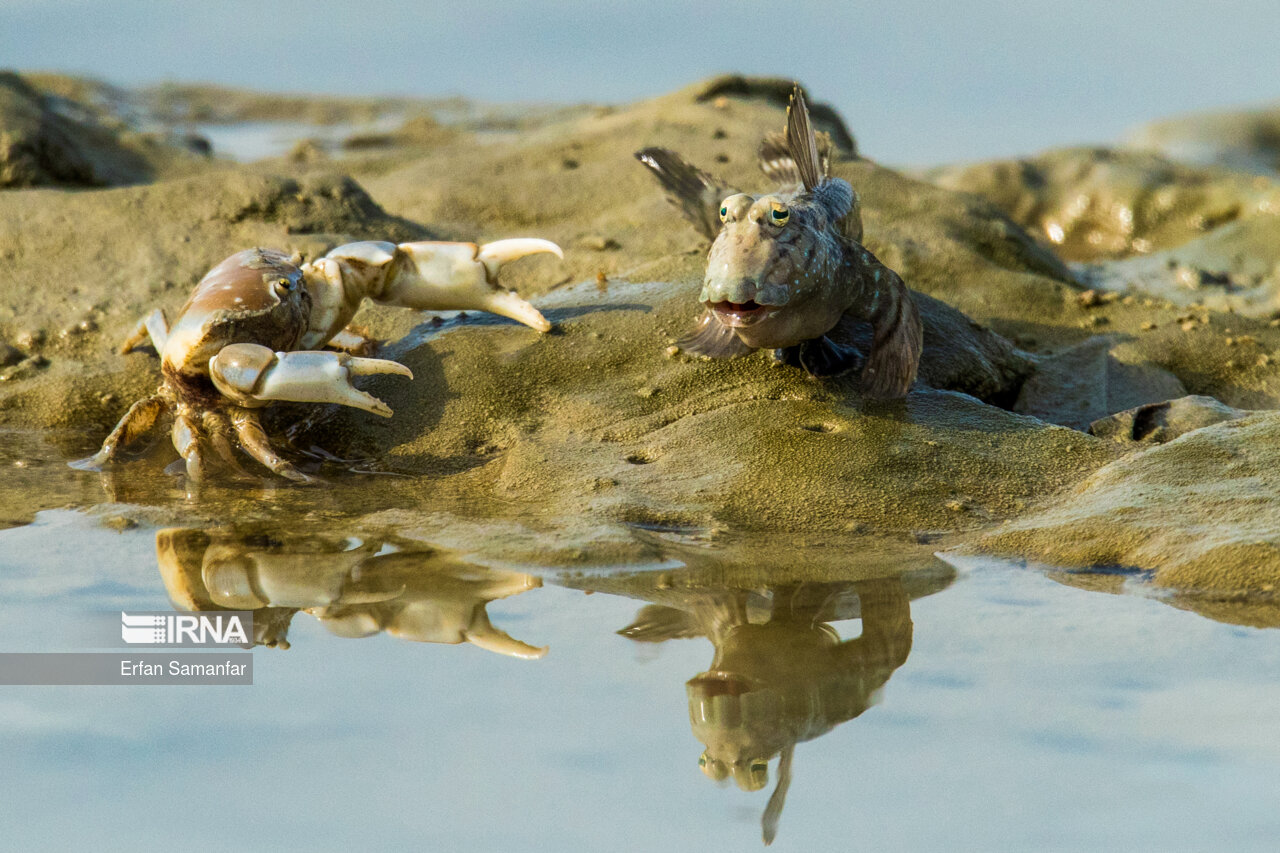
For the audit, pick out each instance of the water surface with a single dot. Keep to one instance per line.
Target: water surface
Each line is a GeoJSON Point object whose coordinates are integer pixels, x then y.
{"type": "Point", "coordinates": [984, 708]}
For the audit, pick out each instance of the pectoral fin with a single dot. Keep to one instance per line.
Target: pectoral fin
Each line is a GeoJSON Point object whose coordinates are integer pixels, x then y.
{"type": "Point", "coordinates": [697, 194]}
{"type": "Point", "coordinates": [656, 623]}
{"type": "Point", "coordinates": [821, 358]}
{"type": "Point", "coordinates": [713, 339]}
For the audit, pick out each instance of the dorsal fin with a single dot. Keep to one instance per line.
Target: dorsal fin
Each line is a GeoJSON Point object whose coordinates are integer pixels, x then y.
{"type": "Point", "coordinates": [801, 142]}
{"type": "Point", "coordinates": [773, 811]}
{"type": "Point", "coordinates": [776, 162]}
{"type": "Point", "coordinates": [780, 155]}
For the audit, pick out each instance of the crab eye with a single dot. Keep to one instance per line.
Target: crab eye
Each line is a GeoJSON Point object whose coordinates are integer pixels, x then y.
{"type": "Point", "coordinates": [724, 212]}
{"type": "Point", "coordinates": [779, 215]}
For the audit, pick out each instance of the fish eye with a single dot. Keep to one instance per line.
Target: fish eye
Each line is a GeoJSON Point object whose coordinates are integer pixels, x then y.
{"type": "Point", "coordinates": [724, 212]}
{"type": "Point", "coordinates": [779, 215]}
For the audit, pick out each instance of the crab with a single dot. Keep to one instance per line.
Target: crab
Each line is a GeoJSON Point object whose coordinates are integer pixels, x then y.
{"type": "Point", "coordinates": [254, 330]}
{"type": "Point", "coordinates": [405, 589]}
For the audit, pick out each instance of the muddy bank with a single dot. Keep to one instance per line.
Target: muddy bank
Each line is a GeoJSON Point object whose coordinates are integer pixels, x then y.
{"type": "Point", "coordinates": [552, 449]}
{"type": "Point", "coordinates": [1201, 512]}
{"type": "Point", "coordinates": [51, 141]}
{"type": "Point", "coordinates": [1192, 236]}
{"type": "Point", "coordinates": [1243, 140]}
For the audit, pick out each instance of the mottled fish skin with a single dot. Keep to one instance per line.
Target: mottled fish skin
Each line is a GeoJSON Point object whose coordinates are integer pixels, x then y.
{"type": "Point", "coordinates": [784, 269]}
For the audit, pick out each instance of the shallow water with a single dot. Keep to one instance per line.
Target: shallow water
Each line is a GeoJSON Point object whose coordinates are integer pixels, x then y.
{"type": "Point", "coordinates": [246, 142]}
{"type": "Point", "coordinates": [981, 707]}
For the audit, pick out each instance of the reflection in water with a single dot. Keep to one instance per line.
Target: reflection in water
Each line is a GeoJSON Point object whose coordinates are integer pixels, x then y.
{"type": "Point", "coordinates": [355, 589]}
{"type": "Point", "coordinates": [781, 674]}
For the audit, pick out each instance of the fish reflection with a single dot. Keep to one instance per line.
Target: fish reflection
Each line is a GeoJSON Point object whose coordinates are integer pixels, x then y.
{"type": "Point", "coordinates": [354, 588]}
{"type": "Point", "coordinates": [781, 674]}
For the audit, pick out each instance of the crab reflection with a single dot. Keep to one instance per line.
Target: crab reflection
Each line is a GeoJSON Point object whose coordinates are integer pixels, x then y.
{"type": "Point", "coordinates": [781, 674]}
{"type": "Point", "coordinates": [354, 588]}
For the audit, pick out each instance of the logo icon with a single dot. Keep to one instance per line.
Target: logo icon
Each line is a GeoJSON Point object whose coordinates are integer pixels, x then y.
{"type": "Point", "coordinates": [185, 629]}
{"type": "Point", "coordinates": [147, 630]}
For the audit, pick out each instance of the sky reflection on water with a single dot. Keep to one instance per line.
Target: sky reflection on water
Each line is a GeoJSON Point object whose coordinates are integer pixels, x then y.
{"type": "Point", "coordinates": [1027, 714]}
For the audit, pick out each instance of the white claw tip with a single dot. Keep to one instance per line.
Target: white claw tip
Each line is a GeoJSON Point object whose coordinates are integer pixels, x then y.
{"type": "Point", "coordinates": [499, 252]}
{"type": "Point", "coordinates": [371, 366]}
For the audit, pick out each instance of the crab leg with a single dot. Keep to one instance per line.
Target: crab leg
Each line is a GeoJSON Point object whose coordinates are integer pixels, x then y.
{"type": "Point", "coordinates": [217, 428]}
{"type": "Point", "coordinates": [155, 325]}
{"type": "Point", "coordinates": [254, 441]}
{"type": "Point", "coordinates": [253, 375]}
{"type": "Point", "coordinates": [352, 342]}
{"type": "Point", "coordinates": [140, 418]}
{"type": "Point", "coordinates": [186, 440]}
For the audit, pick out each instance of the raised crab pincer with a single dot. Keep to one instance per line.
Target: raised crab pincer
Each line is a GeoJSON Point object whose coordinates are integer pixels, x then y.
{"type": "Point", "coordinates": [253, 331]}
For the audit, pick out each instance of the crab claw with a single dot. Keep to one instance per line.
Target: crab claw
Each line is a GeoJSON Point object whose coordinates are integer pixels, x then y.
{"type": "Point", "coordinates": [463, 277]}
{"type": "Point", "coordinates": [454, 622]}
{"type": "Point", "coordinates": [494, 255]}
{"type": "Point", "coordinates": [483, 635]}
{"type": "Point", "coordinates": [253, 375]}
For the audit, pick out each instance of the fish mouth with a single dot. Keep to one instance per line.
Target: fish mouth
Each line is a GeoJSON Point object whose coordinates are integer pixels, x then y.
{"type": "Point", "coordinates": [739, 314]}
{"type": "Point", "coordinates": [720, 683]}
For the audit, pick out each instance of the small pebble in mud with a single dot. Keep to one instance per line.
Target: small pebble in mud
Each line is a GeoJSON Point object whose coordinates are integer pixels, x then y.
{"type": "Point", "coordinates": [646, 392]}
{"type": "Point", "coordinates": [671, 351]}
{"type": "Point", "coordinates": [602, 282]}
{"type": "Point", "coordinates": [722, 158]}
{"type": "Point", "coordinates": [1264, 360]}
{"type": "Point", "coordinates": [9, 355]}
{"type": "Point", "coordinates": [1148, 326]}
{"type": "Point", "coordinates": [721, 103]}
{"type": "Point", "coordinates": [599, 243]}
{"type": "Point", "coordinates": [1128, 300]}
{"type": "Point", "coordinates": [569, 163]}
{"type": "Point", "coordinates": [1275, 324]}
{"type": "Point", "coordinates": [1189, 325]}
{"type": "Point", "coordinates": [119, 523]}
{"type": "Point", "coordinates": [1089, 299]}
{"type": "Point", "coordinates": [30, 338]}
{"type": "Point", "coordinates": [719, 133]}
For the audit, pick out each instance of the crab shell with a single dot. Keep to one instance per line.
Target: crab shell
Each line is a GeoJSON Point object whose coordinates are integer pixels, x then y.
{"type": "Point", "coordinates": [258, 296]}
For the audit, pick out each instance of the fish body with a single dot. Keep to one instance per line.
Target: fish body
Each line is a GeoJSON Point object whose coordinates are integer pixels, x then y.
{"type": "Point", "coordinates": [786, 268]}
